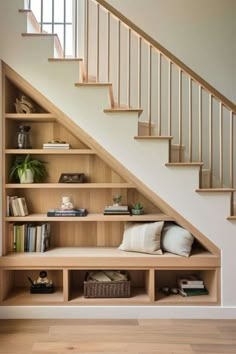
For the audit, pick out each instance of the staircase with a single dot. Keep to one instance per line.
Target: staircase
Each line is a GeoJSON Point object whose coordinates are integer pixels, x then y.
{"type": "Point", "coordinates": [97, 112]}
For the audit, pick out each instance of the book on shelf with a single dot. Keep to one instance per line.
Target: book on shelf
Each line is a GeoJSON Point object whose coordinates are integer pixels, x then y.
{"type": "Point", "coordinates": [116, 208]}
{"type": "Point", "coordinates": [116, 212]}
{"type": "Point", "coordinates": [191, 279]}
{"type": "Point", "coordinates": [45, 237]}
{"type": "Point", "coordinates": [56, 146]}
{"type": "Point", "coordinates": [73, 212]}
{"type": "Point", "coordinates": [16, 206]}
{"type": "Point", "coordinates": [22, 206]}
{"type": "Point", "coordinates": [30, 237]}
{"type": "Point", "coordinates": [182, 284]}
{"type": "Point", "coordinates": [193, 292]}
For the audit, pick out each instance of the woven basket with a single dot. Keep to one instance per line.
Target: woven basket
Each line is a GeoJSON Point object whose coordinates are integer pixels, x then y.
{"type": "Point", "coordinates": [99, 289]}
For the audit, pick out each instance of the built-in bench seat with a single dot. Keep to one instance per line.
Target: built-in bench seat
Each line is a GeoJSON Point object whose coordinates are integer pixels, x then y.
{"type": "Point", "coordinates": [109, 257]}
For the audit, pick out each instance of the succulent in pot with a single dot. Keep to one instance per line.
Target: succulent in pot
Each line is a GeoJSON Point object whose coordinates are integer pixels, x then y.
{"type": "Point", "coordinates": [137, 209]}
{"type": "Point", "coordinates": [27, 170]}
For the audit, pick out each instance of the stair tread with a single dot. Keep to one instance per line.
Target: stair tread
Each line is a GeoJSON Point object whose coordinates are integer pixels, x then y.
{"type": "Point", "coordinates": [152, 137]}
{"type": "Point", "coordinates": [78, 84]}
{"type": "Point", "coordinates": [38, 34]}
{"type": "Point", "coordinates": [184, 164]}
{"type": "Point", "coordinates": [65, 59]}
{"type": "Point", "coordinates": [232, 217]}
{"type": "Point", "coordinates": [220, 190]}
{"type": "Point", "coordinates": [123, 110]}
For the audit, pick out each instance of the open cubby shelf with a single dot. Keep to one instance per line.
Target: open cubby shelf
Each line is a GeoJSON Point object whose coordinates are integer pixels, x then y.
{"type": "Point", "coordinates": [79, 244]}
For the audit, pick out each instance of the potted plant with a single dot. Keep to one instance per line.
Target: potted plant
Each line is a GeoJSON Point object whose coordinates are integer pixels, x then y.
{"type": "Point", "coordinates": [137, 209]}
{"type": "Point", "coordinates": [28, 170]}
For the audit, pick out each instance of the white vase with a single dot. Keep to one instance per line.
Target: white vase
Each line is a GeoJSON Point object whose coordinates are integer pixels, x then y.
{"type": "Point", "coordinates": [26, 177]}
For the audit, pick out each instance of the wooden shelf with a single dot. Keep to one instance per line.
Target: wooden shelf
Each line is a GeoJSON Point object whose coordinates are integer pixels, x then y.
{"type": "Point", "coordinates": [69, 185]}
{"type": "Point", "coordinates": [50, 151]}
{"type": "Point", "coordinates": [173, 300]}
{"type": "Point", "coordinates": [107, 257]}
{"type": "Point", "coordinates": [32, 117]}
{"type": "Point", "coordinates": [90, 217]}
{"type": "Point", "coordinates": [22, 296]}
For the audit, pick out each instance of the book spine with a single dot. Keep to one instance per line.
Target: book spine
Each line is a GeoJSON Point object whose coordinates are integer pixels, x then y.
{"type": "Point", "coordinates": [22, 206]}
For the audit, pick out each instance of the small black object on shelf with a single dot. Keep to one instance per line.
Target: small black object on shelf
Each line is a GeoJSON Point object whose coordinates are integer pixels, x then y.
{"type": "Point", "coordinates": [42, 285]}
{"type": "Point", "coordinates": [72, 178]}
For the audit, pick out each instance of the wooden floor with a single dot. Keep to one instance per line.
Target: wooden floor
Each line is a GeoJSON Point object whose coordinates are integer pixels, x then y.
{"type": "Point", "coordinates": [118, 336]}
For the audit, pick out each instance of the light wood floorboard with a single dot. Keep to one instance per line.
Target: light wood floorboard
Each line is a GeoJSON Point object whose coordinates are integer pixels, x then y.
{"type": "Point", "coordinates": [118, 336]}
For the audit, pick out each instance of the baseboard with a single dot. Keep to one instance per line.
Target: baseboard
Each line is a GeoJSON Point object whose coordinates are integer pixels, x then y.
{"type": "Point", "coordinates": [116, 312]}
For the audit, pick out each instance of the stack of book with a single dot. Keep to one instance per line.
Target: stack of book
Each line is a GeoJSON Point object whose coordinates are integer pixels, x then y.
{"type": "Point", "coordinates": [191, 285]}
{"type": "Point", "coordinates": [116, 210]}
{"type": "Point", "coordinates": [16, 206]}
{"type": "Point", "coordinates": [72, 212]}
{"type": "Point", "coordinates": [30, 237]}
{"type": "Point", "coordinates": [56, 146]}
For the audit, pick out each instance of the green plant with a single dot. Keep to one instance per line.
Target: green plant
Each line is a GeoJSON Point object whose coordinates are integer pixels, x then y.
{"type": "Point", "coordinates": [137, 206]}
{"type": "Point", "coordinates": [23, 163]}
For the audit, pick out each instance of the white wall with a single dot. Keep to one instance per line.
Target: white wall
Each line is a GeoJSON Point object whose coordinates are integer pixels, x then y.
{"type": "Point", "coordinates": [201, 33]}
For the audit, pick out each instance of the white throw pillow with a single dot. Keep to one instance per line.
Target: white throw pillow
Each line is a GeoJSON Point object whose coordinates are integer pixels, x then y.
{"type": "Point", "coordinates": [176, 239]}
{"type": "Point", "coordinates": [142, 237]}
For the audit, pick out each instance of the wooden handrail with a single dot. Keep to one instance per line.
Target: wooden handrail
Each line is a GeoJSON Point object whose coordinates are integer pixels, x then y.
{"type": "Point", "coordinates": [209, 88]}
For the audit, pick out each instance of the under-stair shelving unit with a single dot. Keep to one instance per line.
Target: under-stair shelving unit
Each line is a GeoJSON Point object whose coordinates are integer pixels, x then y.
{"type": "Point", "coordinates": [79, 244]}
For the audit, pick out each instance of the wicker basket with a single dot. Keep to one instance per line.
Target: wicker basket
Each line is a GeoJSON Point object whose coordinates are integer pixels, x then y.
{"type": "Point", "coordinates": [102, 289]}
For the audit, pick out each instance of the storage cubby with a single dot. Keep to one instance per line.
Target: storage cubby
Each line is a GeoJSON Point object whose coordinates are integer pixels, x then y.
{"type": "Point", "coordinates": [40, 132]}
{"type": "Point", "coordinates": [12, 92]}
{"type": "Point", "coordinates": [16, 290]}
{"type": "Point", "coordinates": [79, 244]}
{"type": "Point", "coordinates": [139, 288]}
{"type": "Point", "coordinates": [168, 278]}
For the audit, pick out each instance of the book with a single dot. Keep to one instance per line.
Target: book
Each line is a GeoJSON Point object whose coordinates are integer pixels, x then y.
{"type": "Point", "coordinates": [192, 286]}
{"type": "Point", "coordinates": [38, 238]}
{"type": "Point", "coordinates": [45, 235]}
{"type": "Point", "coordinates": [193, 292]}
{"type": "Point", "coordinates": [11, 212]}
{"type": "Point", "coordinates": [32, 238]}
{"type": "Point", "coordinates": [22, 206]}
{"type": "Point", "coordinates": [15, 207]}
{"type": "Point", "coordinates": [191, 279]}
{"type": "Point", "coordinates": [56, 146]}
{"type": "Point", "coordinates": [116, 213]}
{"type": "Point", "coordinates": [74, 212]}
{"type": "Point", "coordinates": [17, 237]}
{"type": "Point", "coordinates": [22, 237]}
{"type": "Point", "coordinates": [116, 208]}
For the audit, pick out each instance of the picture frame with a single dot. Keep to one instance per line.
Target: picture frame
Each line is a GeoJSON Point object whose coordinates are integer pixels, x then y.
{"type": "Point", "coordinates": [71, 178]}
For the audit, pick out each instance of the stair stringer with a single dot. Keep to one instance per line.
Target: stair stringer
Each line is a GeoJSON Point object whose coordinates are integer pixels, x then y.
{"type": "Point", "coordinates": [157, 180]}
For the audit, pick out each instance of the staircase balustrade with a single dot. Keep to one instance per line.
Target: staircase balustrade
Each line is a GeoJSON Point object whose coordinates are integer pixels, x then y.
{"type": "Point", "coordinates": [175, 100]}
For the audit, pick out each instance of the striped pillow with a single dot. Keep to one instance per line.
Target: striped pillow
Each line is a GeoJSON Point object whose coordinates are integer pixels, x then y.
{"type": "Point", "coordinates": [142, 237]}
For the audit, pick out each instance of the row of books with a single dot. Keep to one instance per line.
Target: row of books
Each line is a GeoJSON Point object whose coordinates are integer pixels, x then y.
{"type": "Point", "coordinates": [16, 206]}
{"type": "Point", "coordinates": [30, 237]}
{"type": "Point", "coordinates": [116, 210]}
{"type": "Point", "coordinates": [56, 146]}
{"type": "Point", "coordinates": [191, 285]}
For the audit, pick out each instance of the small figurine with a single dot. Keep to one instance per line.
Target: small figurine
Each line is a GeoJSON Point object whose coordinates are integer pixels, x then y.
{"type": "Point", "coordinates": [42, 285]}
{"type": "Point", "coordinates": [117, 199]}
{"type": "Point", "coordinates": [24, 105]}
{"type": "Point", "coordinates": [67, 204]}
{"type": "Point", "coordinates": [42, 279]}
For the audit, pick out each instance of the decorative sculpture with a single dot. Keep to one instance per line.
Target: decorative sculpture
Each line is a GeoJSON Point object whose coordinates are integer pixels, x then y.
{"type": "Point", "coordinates": [24, 105]}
